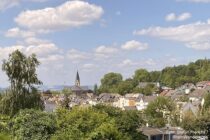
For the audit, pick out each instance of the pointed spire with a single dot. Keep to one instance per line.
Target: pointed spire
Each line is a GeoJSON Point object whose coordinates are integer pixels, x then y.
{"type": "Point", "coordinates": [77, 81]}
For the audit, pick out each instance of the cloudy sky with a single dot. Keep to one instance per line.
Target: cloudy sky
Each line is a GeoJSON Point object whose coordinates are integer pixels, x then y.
{"type": "Point", "coordinates": [101, 36]}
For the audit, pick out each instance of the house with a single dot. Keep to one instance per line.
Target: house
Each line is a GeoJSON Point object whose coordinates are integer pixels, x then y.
{"type": "Point", "coordinates": [129, 100]}
{"type": "Point", "coordinates": [166, 88]}
{"type": "Point", "coordinates": [143, 102]}
{"type": "Point", "coordinates": [50, 106]}
{"type": "Point", "coordinates": [158, 133]}
{"type": "Point", "coordinates": [197, 95]}
{"type": "Point", "coordinates": [108, 98]}
{"type": "Point", "coordinates": [46, 95]}
{"type": "Point", "coordinates": [203, 84]}
{"type": "Point", "coordinates": [189, 107]}
{"type": "Point", "coordinates": [186, 88]}
{"type": "Point", "coordinates": [145, 84]}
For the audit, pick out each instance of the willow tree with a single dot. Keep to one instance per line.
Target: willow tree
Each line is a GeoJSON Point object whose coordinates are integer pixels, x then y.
{"type": "Point", "coordinates": [21, 71]}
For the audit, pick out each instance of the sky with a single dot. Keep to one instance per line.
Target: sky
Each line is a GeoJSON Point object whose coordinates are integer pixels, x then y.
{"type": "Point", "coordinates": [100, 36]}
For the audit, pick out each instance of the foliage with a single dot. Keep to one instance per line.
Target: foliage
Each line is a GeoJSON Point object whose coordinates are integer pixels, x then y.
{"type": "Point", "coordinates": [66, 91]}
{"type": "Point", "coordinates": [206, 101]}
{"type": "Point", "coordinates": [125, 87]}
{"type": "Point", "coordinates": [65, 102]}
{"type": "Point", "coordinates": [12, 103]}
{"type": "Point", "coordinates": [5, 136]}
{"type": "Point", "coordinates": [170, 76]}
{"type": "Point", "coordinates": [95, 89]}
{"type": "Point", "coordinates": [127, 122]}
{"type": "Point", "coordinates": [4, 121]}
{"type": "Point", "coordinates": [110, 82]}
{"type": "Point", "coordinates": [86, 124]}
{"type": "Point", "coordinates": [142, 75]}
{"type": "Point", "coordinates": [33, 125]}
{"type": "Point", "coordinates": [184, 98]}
{"type": "Point", "coordinates": [157, 111]}
{"type": "Point", "coordinates": [21, 71]}
{"type": "Point", "coordinates": [148, 90]}
{"type": "Point", "coordinates": [199, 123]}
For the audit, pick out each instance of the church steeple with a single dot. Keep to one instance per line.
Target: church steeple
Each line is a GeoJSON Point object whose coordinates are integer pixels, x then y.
{"type": "Point", "coordinates": [77, 81]}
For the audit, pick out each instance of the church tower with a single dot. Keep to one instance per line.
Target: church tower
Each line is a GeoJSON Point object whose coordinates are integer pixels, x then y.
{"type": "Point", "coordinates": [77, 81]}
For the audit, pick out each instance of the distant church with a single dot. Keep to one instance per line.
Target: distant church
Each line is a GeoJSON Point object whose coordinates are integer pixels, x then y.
{"type": "Point", "coordinates": [77, 88]}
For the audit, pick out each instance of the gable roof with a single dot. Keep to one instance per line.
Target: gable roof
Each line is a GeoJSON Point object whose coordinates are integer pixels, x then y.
{"type": "Point", "coordinates": [198, 93]}
{"type": "Point", "coordinates": [190, 107]}
{"type": "Point", "coordinates": [149, 98]}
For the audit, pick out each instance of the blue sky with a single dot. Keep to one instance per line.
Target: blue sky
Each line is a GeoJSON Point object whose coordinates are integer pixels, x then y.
{"type": "Point", "coordinates": [101, 36]}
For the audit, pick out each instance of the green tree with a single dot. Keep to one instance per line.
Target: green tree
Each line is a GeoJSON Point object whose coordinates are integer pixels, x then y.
{"type": "Point", "coordinates": [206, 105]}
{"type": "Point", "coordinates": [199, 123]}
{"type": "Point", "coordinates": [95, 90]}
{"type": "Point", "coordinates": [125, 87]}
{"type": "Point", "coordinates": [21, 71]}
{"type": "Point", "coordinates": [4, 123]}
{"type": "Point", "coordinates": [127, 122]}
{"type": "Point", "coordinates": [110, 82]}
{"type": "Point", "coordinates": [155, 76]}
{"type": "Point", "coordinates": [158, 112]}
{"type": "Point", "coordinates": [148, 90]}
{"type": "Point", "coordinates": [4, 136]}
{"type": "Point", "coordinates": [33, 125]}
{"type": "Point", "coordinates": [142, 75]}
{"type": "Point", "coordinates": [66, 91]}
{"type": "Point", "coordinates": [86, 124]}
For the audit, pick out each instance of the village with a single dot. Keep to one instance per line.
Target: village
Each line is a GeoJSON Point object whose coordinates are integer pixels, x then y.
{"type": "Point", "coordinates": [187, 98]}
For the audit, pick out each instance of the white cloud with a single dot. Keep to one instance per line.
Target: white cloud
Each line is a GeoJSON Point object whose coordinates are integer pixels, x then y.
{"type": "Point", "coordinates": [127, 62]}
{"type": "Point", "coordinates": [134, 45]}
{"type": "Point", "coordinates": [51, 58]}
{"type": "Point", "coordinates": [4, 4]}
{"type": "Point", "coordinates": [77, 56]}
{"type": "Point", "coordinates": [18, 33]}
{"type": "Point", "coordinates": [88, 66]}
{"type": "Point", "coordinates": [5, 51]}
{"type": "Point", "coordinates": [150, 62]}
{"type": "Point", "coordinates": [184, 16]}
{"type": "Point", "coordinates": [170, 17]}
{"type": "Point", "coordinates": [106, 50]}
{"type": "Point", "coordinates": [42, 49]}
{"type": "Point", "coordinates": [195, 35]}
{"type": "Point", "coordinates": [181, 17]}
{"type": "Point", "coordinates": [68, 15]}
{"type": "Point", "coordinates": [35, 41]}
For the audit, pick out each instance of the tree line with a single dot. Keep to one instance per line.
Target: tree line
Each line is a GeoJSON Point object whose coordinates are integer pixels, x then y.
{"type": "Point", "coordinates": [170, 76]}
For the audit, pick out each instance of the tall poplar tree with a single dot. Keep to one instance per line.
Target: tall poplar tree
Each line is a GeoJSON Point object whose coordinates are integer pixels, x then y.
{"type": "Point", "coordinates": [21, 71]}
